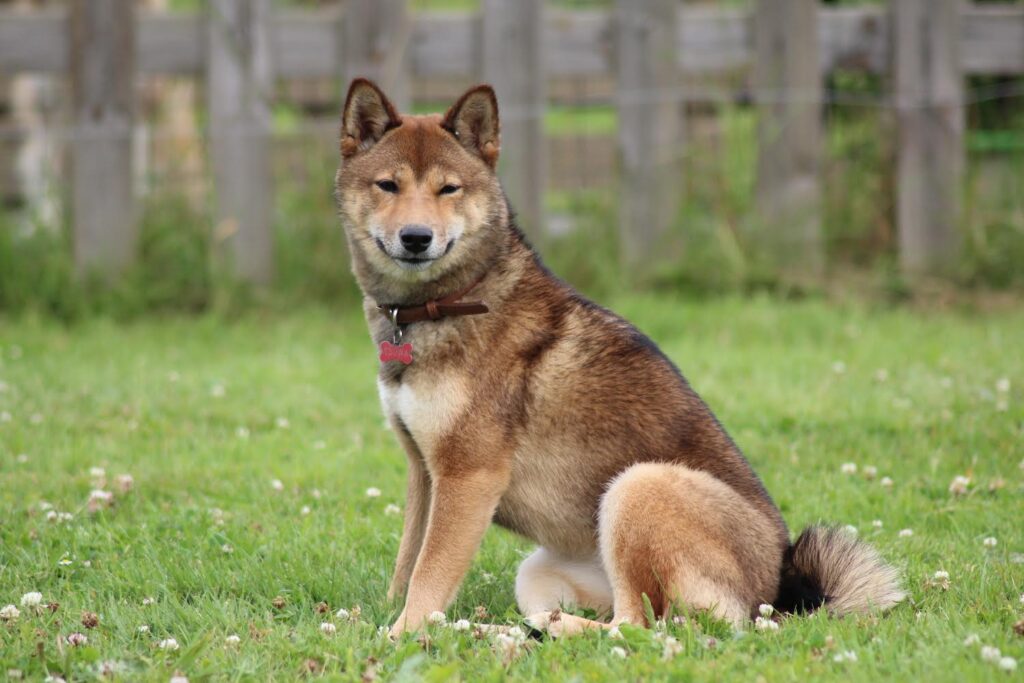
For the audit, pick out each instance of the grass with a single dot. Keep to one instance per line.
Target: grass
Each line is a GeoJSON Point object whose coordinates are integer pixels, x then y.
{"type": "Point", "coordinates": [143, 398]}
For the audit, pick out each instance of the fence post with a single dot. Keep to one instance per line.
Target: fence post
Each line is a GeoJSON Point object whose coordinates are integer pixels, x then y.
{"type": "Point", "coordinates": [927, 83]}
{"type": "Point", "coordinates": [788, 91]}
{"type": "Point", "coordinates": [648, 98]}
{"type": "Point", "coordinates": [513, 62]}
{"type": "Point", "coordinates": [102, 62]}
{"type": "Point", "coordinates": [374, 43]}
{"type": "Point", "coordinates": [239, 82]}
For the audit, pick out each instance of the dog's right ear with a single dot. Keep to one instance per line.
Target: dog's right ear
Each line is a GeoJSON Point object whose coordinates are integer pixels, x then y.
{"type": "Point", "coordinates": [368, 114]}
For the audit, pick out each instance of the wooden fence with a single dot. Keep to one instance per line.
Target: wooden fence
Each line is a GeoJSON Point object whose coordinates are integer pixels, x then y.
{"type": "Point", "coordinates": [649, 48]}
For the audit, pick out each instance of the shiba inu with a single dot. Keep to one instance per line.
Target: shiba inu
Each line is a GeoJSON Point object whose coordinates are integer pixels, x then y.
{"type": "Point", "coordinates": [519, 401]}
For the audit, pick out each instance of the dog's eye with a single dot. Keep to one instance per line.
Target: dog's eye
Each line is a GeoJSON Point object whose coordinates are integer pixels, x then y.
{"type": "Point", "coordinates": [388, 186]}
{"type": "Point", "coordinates": [449, 189]}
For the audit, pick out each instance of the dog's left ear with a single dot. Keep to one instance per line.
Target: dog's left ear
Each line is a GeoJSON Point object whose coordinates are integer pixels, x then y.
{"type": "Point", "coordinates": [368, 114]}
{"type": "Point", "coordinates": [474, 121]}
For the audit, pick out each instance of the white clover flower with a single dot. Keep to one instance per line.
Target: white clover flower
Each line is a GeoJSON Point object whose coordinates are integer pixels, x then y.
{"type": "Point", "coordinates": [886, 482]}
{"type": "Point", "coordinates": [876, 523]}
{"type": "Point", "coordinates": [316, 494]}
{"type": "Point", "coordinates": [671, 648]}
{"type": "Point", "coordinates": [619, 652]}
{"type": "Point", "coordinates": [342, 613]}
{"type": "Point", "coordinates": [9, 613]}
{"type": "Point", "coordinates": [148, 601]}
{"type": "Point", "coordinates": [848, 468]}
{"type": "Point", "coordinates": [373, 492]}
{"type": "Point", "coordinates": [144, 628]}
{"type": "Point", "coordinates": [227, 549]}
{"type": "Point", "coordinates": [32, 599]}
{"type": "Point", "coordinates": [1003, 385]}
{"type": "Point", "coordinates": [839, 367]}
{"type": "Point", "coordinates": [508, 645]}
{"type": "Point", "coordinates": [1008, 664]}
{"type": "Point", "coordinates": [218, 391]}
{"type": "Point", "coordinates": [99, 499]}
{"type": "Point", "coordinates": [763, 624]}
{"type": "Point", "coordinates": [54, 679]}
{"type": "Point", "coordinates": [168, 644]}
{"type": "Point", "coordinates": [305, 510]}
{"type": "Point", "coordinates": [277, 484]}
{"type": "Point", "coordinates": [22, 458]}
{"type": "Point", "coordinates": [990, 654]}
{"type": "Point", "coordinates": [845, 656]}
{"type": "Point", "coordinates": [870, 471]}
{"type": "Point", "coordinates": [461, 625]}
{"type": "Point", "coordinates": [990, 542]}
{"type": "Point", "coordinates": [97, 473]}
{"type": "Point", "coordinates": [328, 628]}
{"type": "Point", "coordinates": [76, 639]}
{"type": "Point", "coordinates": [173, 376]}
{"type": "Point", "coordinates": [517, 633]}
{"type": "Point", "coordinates": [5, 416]}
{"type": "Point", "coordinates": [1022, 598]}
{"type": "Point", "coordinates": [972, 639]}
{"type": "Point", "coordinates": [941, 575]}
{"type": "Point", "coordinates": [881, 375]}
{"type": "Point", "coordinates": [178, 678]}
{"type": "Point", "coordinates": [233, 639]}
{"type": "Point", "coordinates": [392, 509]}
{"type": "Point", "coordinates": [906, 533]}
{"type": "Point", "coordinates": [614, 633]}
{"type": "Point", "coordinates": [242, 432]}
{"type": "Point", "coordinates": [437, 618]}
{"type": "Point", "coordinates": [850, 529]}
{"type": "Point", "coordinates": [282, 423]}
{"type": "Point", "coordinates": [52, 516]}
{"type": "Point", "coordinates": [124, 482]}
{"type": "Point", "coordinates": [765, 610]}
{"type": "Point", "coordinates": [959, 485]}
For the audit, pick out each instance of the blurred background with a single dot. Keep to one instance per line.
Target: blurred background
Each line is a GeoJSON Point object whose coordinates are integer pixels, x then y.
{"type": "Point", "coordinates": [179, 154]}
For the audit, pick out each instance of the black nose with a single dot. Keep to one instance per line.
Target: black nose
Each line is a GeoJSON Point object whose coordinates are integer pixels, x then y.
{"type": "Point", "coordinates": [416, 238]}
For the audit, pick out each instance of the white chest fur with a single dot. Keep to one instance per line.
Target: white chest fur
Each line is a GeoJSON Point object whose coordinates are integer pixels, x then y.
{"type": "Point", "coordinates": [427, 409]}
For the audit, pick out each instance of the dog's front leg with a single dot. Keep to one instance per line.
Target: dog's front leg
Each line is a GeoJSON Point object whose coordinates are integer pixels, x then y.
{"type": "Point", "coordinates": [417, 505]}
{"type": "Point", "coordinates": [461, 508]}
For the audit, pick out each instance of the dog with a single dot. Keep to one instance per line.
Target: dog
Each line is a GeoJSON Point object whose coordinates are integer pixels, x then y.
{"type": "Point", "coordinates": [519, 401]}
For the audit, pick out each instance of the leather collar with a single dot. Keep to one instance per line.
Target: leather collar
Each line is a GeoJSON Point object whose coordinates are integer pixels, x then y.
{"type": "Point", "coordinates": [445, 307]}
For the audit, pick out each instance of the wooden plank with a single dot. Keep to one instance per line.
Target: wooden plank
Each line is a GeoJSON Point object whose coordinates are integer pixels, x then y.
{"type": "Point", "coordinates": [928, 97]}
{"type": "Point", "coordinates": [375, 38]}
{"type": "Point", "coordinates": [33, 41]}
{"type": "Point", "coordinates": [513, 62]}
{"type": "Point", "coordinates": [305, 43]}
{"type": "Point", "coordinates": [577, 42]}
{"type": "Point", "coordinates": [992, 40]}
{"type": "Point", "coordinates": [648, 98]}
{"type": "Point", "coordinates": [171, 43]}
{"type": "Point", "coordinates": [788, 90]}
{"type": "Point", "coordinates": [102, 43]}
{"type": "Point", "coordinates": [239, 88]}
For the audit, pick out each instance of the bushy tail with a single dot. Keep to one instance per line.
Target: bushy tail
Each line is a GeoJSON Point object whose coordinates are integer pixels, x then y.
{"type": "Point", "coordinates": [829, 567]}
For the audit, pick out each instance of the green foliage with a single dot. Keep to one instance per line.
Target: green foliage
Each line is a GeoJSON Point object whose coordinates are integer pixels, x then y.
{"type": "Point", "coordinates": [191, 408]}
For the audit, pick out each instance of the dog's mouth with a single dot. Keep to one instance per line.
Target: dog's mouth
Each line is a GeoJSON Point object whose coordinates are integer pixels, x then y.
{"type": "Point", "coordinates": [414, 262]}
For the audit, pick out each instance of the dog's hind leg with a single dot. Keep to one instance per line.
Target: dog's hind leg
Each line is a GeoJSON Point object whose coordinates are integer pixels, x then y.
{"type": "Point", "coordinates": [681, 536]}
{"type": "Point", "coordinates": [546, 583]}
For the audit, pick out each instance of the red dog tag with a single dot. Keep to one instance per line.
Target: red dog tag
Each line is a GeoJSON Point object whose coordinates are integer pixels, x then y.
{"type": "Point", "coordinates": [389, 352]}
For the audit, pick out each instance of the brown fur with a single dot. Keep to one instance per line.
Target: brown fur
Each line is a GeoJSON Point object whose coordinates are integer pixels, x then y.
{"type": "Point", "coordinates": [550, 415]}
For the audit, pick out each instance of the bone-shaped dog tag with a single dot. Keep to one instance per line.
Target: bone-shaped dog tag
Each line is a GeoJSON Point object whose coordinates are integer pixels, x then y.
{"type": "Point", "coordinates": [389, 352]}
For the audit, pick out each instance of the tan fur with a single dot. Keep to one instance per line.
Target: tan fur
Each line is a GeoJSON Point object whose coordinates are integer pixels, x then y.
{"type": "Point", "coordinates": [549, 415]}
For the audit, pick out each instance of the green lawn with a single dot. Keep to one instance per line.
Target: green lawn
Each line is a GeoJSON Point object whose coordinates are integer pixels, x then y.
{"type": "Point", "coordinates": [206, 414]}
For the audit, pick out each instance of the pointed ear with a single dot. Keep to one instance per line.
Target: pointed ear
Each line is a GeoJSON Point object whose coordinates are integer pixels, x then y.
{"type": "Point", "coordinates": [474, 121]}
{"type": "Point", "coordinates": [368, 114]}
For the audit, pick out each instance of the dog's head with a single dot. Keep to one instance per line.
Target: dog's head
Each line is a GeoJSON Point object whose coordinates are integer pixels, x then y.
{"type": "Point", "coordinates": [418, 195]}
